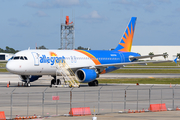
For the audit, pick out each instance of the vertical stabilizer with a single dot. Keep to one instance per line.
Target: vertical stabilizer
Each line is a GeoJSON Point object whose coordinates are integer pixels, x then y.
{"type": "Point", "coordinates": [127, 38]}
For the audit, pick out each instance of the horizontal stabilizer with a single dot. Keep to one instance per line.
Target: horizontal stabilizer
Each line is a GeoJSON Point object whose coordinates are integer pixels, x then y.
{"type": "Point", "coordinates": [146, 56]}
{"type": "Point", "coordinates": [131, 63]}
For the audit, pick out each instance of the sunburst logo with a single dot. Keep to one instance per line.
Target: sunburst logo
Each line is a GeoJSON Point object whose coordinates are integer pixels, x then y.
{"type": "Point", "coordinates": [126, 41]}
{"type": "Point", "coordinates": [52, 54]}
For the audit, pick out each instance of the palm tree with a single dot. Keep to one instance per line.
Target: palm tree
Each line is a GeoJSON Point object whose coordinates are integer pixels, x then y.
{"type": "Point", "coordinates": [165, 55]}
{"type": "Point", "coordinates": [151, 53]}
{"type": "Point", "coordinates": [178, 55]}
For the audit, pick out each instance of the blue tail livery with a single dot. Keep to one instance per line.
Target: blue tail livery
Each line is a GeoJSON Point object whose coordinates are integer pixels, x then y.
{"type": "Point", "coordinates": [127, 38]}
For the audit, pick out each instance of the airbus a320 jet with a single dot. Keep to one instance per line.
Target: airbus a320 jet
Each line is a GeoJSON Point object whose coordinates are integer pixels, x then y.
{"type": "Point", "coordinates": [30, 65]}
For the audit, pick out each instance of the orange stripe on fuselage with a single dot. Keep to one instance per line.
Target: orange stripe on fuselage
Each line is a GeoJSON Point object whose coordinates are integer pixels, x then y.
{"type": "Point", "coordinates": [96, 61]}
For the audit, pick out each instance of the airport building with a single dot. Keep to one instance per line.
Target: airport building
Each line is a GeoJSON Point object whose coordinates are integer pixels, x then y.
{"type": "Point", "coordinates": [5, 56]}
{"type": "Point", "coordinates": [145, 50]}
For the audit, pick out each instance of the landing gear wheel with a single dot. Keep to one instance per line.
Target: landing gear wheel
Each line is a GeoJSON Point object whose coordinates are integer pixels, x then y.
{"type": "Point", "coordinates": [96, 83]}
{"type": "Point", "coordinates": [58, 82]}
{"type": "Point", "coordinates": [90, 84]}
{"type": "Point", "coordinates": [28, 84]}
{"type": "Point", "coordinates": [25, 84]}
{"type": "Point", "coordinates": [53, 82]}
{"type": "Point", "coordinates": [93, 83]}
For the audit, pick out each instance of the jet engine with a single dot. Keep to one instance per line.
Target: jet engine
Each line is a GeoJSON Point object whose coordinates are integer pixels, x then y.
{"type": "Point", "coordinates": [86, 75]}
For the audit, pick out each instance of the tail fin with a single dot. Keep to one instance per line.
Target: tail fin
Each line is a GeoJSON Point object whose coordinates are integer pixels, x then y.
{"type": "Point", "coordinates": [126, 41]}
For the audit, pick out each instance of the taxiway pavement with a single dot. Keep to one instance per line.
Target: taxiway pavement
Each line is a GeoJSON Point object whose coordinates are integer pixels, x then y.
{"type": "Point", "coordinates": [13, 78]}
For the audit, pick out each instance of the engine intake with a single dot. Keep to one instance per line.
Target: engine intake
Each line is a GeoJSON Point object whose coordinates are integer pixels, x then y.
{"type": "Point", "coordinates": [86, 75]}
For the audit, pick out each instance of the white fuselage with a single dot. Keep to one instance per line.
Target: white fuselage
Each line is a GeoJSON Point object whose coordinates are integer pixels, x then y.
{"type": "Point", "coordinates": [34, 65]}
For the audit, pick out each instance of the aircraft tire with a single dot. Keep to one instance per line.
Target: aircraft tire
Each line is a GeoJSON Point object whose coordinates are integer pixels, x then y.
{"type": "Point", "coordinates": [93, 83]}
{"type": "Point", "coordinates": [90, 83]}
{"type": "Point", "coordinates": [96, 83]}
{"type": "Point", "coordinates": [25, 84]}
{"type": "Point", "coordinates": [28, 84]}
{"type": "Point", "coordinates": [58, 82]}
{"type": "Point", "coordinates": [53, 82]}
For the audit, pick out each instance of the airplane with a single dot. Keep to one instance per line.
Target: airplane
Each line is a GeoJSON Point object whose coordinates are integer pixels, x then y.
{"type": "Point", "coordinates": [87, 65]}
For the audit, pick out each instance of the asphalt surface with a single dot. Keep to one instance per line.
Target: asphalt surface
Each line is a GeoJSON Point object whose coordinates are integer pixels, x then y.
{"type": "Point", "coordinates": [139, 75]}
{"type": "Point", "coordinates": [13, 78]}
{"type": "Point", "coordinates": [105, 99]}
{"type": "Point", "coordinates": [168, 115]}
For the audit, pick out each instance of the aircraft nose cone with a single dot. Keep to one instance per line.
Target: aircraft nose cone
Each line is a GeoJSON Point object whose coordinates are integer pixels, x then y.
{"type": "Point", "coordinates": [10, 67]}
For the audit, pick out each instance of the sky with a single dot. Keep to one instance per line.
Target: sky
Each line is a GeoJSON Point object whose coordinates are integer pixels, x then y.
{"type": "Point", "coordinates": [99, 24]}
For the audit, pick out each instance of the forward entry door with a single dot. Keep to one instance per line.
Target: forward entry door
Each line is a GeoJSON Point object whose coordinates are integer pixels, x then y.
{"type": "Point", "coordinates": [36, 58]}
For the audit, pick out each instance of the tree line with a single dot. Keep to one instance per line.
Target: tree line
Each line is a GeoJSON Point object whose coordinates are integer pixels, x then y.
{"type": "Point", "coordinates": [12, 50]}
{"type": "Point", "coordinates": [8, 50]}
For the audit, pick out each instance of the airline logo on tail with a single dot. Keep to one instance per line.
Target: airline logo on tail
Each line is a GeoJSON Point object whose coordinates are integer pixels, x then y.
{"type": "Point", "coordinates": [126, 41]}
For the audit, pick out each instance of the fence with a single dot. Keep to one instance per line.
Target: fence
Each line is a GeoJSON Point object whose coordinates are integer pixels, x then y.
{"type": "Point", "coordinates": [104, 99]}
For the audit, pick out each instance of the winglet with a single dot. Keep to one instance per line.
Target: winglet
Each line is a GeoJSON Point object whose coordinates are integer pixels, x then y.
{"type": "Point", "coordinates": [127, 38]}
{"type": "Point", "coordinates": [175, 60]}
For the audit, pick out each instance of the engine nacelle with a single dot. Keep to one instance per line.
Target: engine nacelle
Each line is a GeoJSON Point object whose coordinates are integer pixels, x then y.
{"type": "Point", "coordinates": [86, 75]}
{"type": "Point", "coordinates": [32, 78]}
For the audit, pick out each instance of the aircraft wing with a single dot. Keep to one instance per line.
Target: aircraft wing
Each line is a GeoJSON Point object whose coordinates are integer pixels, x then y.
{"type": "Point", "coordinates": [131, 63]}
{"type": "Point", "coordinates": [146, 56]}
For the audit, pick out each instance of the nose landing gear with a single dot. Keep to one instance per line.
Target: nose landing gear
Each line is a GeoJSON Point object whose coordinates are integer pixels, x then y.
{"type": "Point", "coordinates": [27, 83]}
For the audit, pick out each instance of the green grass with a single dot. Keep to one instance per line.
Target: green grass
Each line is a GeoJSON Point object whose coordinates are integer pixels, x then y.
{"type": "Point", "coordinates": [2, 65]}
{"type": "Point", "coordinates": [3, 70]}
{"type": "Point", "coordinates": [162, 64]}
{"type": "Point", "coordinates": [147, 71]}
{"type": "Point", "coordinates": [142, 80]}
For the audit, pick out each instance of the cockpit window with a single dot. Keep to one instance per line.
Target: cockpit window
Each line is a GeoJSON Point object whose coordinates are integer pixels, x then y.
{"type": "Point", "coordinates": [16, 58]}
{"type": "Point", "coordinates": [25, 57]}
{"type": "Point", "coordinates": [21, 58]}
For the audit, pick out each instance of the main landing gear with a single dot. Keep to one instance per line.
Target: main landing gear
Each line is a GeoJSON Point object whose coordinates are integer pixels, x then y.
{"type": "Point", "coordinates": [93, 83]}
{"type": "Point", "coordinates": [55, 82]}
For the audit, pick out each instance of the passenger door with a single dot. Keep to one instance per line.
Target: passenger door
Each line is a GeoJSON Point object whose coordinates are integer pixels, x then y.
{"type": "Point", "coordinates": [36, 58]}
